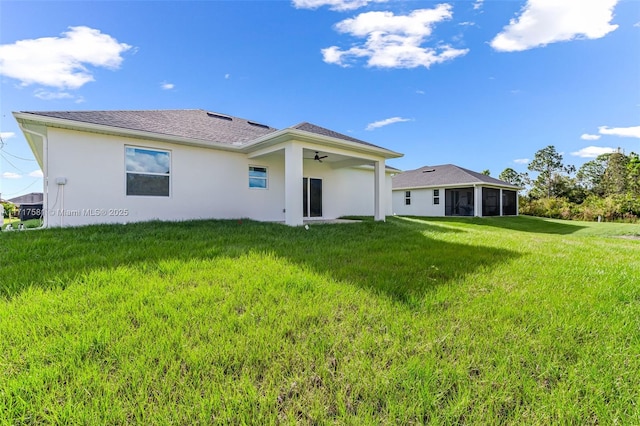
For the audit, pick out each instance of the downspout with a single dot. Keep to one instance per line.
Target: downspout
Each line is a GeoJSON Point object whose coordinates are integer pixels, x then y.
{"type": "Point", "coordinates": [45, 171]}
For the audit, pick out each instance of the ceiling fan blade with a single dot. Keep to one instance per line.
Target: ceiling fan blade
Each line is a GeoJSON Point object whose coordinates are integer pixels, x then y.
{"type": "Point", "coordinates": [318, 158]}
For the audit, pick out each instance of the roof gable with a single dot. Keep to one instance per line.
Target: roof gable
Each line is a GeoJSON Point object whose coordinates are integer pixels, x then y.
{"type": "Point", "coordinates": [444, 175]}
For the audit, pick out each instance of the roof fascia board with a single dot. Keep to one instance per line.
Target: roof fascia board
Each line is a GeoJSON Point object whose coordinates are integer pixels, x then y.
{"type": "Point", "coordinates": [27, 118]}
{"type": "Point", "coordinates": [458, 185]}
{"type": "Point", "coordinates": [32, 132]}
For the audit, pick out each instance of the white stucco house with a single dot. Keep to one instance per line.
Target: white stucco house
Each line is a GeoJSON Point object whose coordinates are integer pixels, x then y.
{"type": "Point", "coordinates": [449, 190]}
{"type": "Point", "coordinates": [129, 166]}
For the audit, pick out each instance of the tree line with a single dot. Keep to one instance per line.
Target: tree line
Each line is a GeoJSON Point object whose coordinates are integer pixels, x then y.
{"type": "Point", "coordinates": [606, 188]}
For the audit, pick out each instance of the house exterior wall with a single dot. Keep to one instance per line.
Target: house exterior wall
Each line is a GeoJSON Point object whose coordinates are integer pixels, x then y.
{"type": "Point", "coordinates": [204, 183]}
{"type": "Point", "coordinates": [421, 202]}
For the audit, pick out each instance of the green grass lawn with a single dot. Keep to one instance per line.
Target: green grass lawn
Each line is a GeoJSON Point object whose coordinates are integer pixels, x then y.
{"type": "Point", "coordinates": [6, 221]}
{"type": "Point", "coordinates": [413, 321]}
{"type": "Point", "coordinates": [32, 223]}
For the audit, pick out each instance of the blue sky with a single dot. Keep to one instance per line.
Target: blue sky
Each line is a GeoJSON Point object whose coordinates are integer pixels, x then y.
{"type": "Point", "coordinates": [480, 84]}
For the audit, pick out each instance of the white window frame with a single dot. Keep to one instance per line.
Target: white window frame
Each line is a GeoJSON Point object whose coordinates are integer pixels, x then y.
{"type": "Point", "coordinates": [126, 172]}
{"type": "Point", "coordinates": [436, 196]}
{"type": "Point", "coordinates": [407, 198]}
{"type": "Point", "coordinates": [266, 178]}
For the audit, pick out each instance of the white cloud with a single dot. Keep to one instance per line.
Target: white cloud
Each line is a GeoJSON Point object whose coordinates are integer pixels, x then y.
{"type": "Point", "coordinates": [142, 160]}
{"type": "Point", "coordinates": [386, 122]}
{"type": "Point", "coordinates": [593, 151]}
{"type": "Point", "coordinates": [339, 5]}
{"type": "Point", "coordinates": [478, 4]}
{"type": "Point", "coordinates": [420, 92]}
{"type": "Point", "coordinates": [418, 23]}
{"type": "Point", "coordinates": [542, 22]}
{"type": "Point", "coordinates": [625, 132]}
{"type": "Point", "coordinates": [61, 61]}
{"type": "Point", "coordinates": [394, 41]}
{"type": "Point", "coordinates": [588, 137]}
{"type": "Point", "coordinates": [36, 174]}
{"type": "Point", "coordinates": [7, 135]}
{"type": "Point", "coordinates": [521, 161]}
{"type": "Point", "coordinates": [227, 76]}
{"type": "Point", "coordinates": [10, 175]}
{"type": "Point", "coordinates": [48, 96]}
{"type": "Point", "coordinates": [167, 86]}
{"type": "Point", "coordinates": [637, 24]}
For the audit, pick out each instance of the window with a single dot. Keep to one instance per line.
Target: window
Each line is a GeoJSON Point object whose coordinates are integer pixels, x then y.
{"type": "Point", "coordinates": [257, 177]}
{"type": "Point", "coordinates": [436, 196]}
{"type": "Point", "coordinates": [407, 198]}
{"type": "Point", "coordinates": [148, 171]}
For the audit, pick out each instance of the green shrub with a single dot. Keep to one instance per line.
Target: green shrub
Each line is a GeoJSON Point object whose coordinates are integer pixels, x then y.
{"type": "Point", "coordinates": [624, 208]}
{"type": "Point", "coordinates": [10, 209]}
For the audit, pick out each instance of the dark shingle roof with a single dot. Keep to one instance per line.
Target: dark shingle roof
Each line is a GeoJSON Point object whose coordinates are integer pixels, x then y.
{"type": "Point", "coordinates": [192, 124]}
{"type": "Point", "coordinates": [31, 198]}
{"type": "Point", "coordinates": [312, 128]}
{"type": "Point", "coordinates": [447, 174]}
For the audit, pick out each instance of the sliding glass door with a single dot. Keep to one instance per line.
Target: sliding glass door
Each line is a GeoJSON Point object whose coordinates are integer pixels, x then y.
{"type": "Point", "coordinates": [311, 197]}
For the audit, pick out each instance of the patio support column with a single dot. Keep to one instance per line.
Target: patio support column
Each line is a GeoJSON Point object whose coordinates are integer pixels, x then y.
{"type": "Point", "coordinates": [477, 201]}
{"type": "Point", "coordinates": [501, 206]}
{"type": "Point", "coordinates": [380, 191]}
{"type": "Point", "coordinates": [293, 185]}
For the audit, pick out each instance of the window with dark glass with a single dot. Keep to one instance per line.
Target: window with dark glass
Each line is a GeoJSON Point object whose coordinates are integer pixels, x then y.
{"type": "Point", "coordinates": [148, 171]}
{"type": "Point", "coordinates": [257, 177]}
{"type": "Point", "coordinates": [436, 196]}
{"type": "Point", "coordinates": [407, 198]}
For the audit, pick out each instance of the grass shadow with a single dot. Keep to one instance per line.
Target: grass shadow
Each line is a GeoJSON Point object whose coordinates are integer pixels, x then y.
{"type": "Point", "coordinates": [397, 258]}
{"type": "Point", "coordinates": [516, 223]}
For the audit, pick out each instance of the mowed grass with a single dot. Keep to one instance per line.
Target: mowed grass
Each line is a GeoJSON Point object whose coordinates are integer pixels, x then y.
{"type": "Point", "coordinates": [413, 321]}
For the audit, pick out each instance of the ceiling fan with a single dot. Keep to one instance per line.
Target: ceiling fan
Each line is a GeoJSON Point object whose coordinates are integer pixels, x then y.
{"type": "Point", "coordinates": [319, 158]}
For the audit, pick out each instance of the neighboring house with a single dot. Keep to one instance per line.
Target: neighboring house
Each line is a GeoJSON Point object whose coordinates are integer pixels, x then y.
{"type": "Point", "coordinates": [450, 190]}
{"type": "Point", "coordinates": [128, 166]}
{"type": "Point", "coordinates": [30, 205]}
{"type": "Point", "coordinates": [32, 198]}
